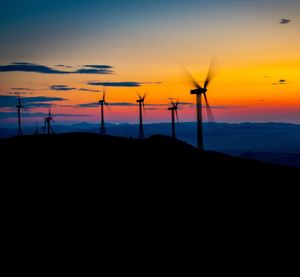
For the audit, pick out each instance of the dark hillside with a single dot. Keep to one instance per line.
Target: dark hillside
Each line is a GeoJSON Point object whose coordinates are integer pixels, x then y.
{"type": "Point", "coordinates": [95, 189]}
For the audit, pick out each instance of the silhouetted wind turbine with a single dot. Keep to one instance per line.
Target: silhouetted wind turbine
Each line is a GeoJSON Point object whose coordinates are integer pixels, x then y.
{"type": "Point", "coordinates": [141, 102]}
{"type": "Point", "coordinates": [48, 126]}
{"type": "Point", "coordinates": [36, 131]}
{"type": "Point", "coordinates": [198, 91]}
{"type": "Point", "coordinates": [19, 107]}
{"type": "Point", "coordinates": [102, 102]}
{"type": "Point", "coordinates": [173, 109]}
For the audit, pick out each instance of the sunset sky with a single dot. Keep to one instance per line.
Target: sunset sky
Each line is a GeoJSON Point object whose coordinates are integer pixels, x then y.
{"type": "Point", "coordinates": [59, 52]}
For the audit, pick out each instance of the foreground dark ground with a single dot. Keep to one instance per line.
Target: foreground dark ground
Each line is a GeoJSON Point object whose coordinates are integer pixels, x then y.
{"type": "Point", "coordinates": [81, 190]}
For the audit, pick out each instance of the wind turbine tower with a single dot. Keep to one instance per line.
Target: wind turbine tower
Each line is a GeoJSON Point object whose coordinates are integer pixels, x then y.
{"type": "Point", "coordinates": [141, 102]}
{"type": "Point", "coordinates": [199, 91]}
{"type": "Point", "coordinates": [102, 102]}
{"type": "Point", "coordinates": [19, 107]}
{"type": "Point", "coordinates": [173, 109]}
{"type": "Point", "coordinates": [48, 125]}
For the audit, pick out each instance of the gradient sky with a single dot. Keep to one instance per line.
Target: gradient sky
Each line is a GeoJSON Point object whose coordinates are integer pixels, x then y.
{"type": "Point", "coordinates": [145, 42]}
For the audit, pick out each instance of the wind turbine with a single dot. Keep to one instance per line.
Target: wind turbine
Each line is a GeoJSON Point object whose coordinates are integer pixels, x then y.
{"type": "Point", "coordinates": [102, 102]}
{"type": "Point", "coordinates": [48, 126]}
{"type": "Point", "coordinates": [173, 109]}
{"type": "Point", "coordinates": [199, 91]}
{"type": "Point", "coordinates": [141, 102]}
{"type": "Point", "coordinates": [36, 131]}
{"type": "Point", "coordinates": [19, 106]}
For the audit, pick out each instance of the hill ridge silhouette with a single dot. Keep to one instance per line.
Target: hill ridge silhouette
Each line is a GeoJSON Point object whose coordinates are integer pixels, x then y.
{"type": "Point", "coordinates": [156, 189]}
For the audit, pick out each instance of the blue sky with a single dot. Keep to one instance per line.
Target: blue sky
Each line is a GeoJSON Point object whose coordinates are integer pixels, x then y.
{"type": "Point", "coordinates": [145, 41]}
{"type": "Point", "coordinates": [34, 28]}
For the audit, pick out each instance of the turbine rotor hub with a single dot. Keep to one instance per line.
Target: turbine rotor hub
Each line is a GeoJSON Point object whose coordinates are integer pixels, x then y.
{"type": "Point", "coordinates": [198, 91]}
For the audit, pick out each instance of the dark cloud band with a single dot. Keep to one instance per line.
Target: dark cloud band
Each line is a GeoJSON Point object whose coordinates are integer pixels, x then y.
{"type": "Point", "coordinates": [38, 101]}
{"type": "Point", "coordinates": [37, 68]}
{"type": "Point", "coordinates": [115, 84]}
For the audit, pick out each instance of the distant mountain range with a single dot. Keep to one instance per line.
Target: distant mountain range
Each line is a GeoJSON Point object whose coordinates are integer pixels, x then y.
{"type": "Point", "coordinates": [270, 142]}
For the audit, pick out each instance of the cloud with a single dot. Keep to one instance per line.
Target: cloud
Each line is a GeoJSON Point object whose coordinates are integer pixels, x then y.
{"type": "Point", "coordinates": [151, 83]}
{"type": "Point", "coordinates": [24, 114]}
{"type": "Point", "coordinates": [22, 88]}
{"type": "Point", "coordinates": [185, 103]}
{"type": "Point", "coordinates": [60, 87]}
{"type": "Point", "coordinates": [122, 104]}
{"type": "Point", "coordinates": [101, 66]}
{"type": "Point", "coordinates": [68, 115]}
{"type": "Point", "coordinates": [96, 104]}
{"type": "Point", "coordinates": [151, 109]}
{"type": "Point", "coordinates": [87, 105]}
{"type": "Point", "coordinates": [123, 84]}
{"type": "Point", "coordinates": [92, 71]}
{"type": "Point", "coordinates": [284, 21]}
{"type": "Point", "coordinates": [280, 82]}
{"type": "Point", "coordinates": [16, 93]}
{"type": "Point", "coordinates": [126, 104]}
{"type": "Point", "coordinates": [31, 67]}
{"type": "Point", "coordinates": [90, 90]}
{"type": "Point", "coordinates": [116, 84]}
{"type": "Point", "coordinates": [4, 115]}
{"type": "Point", "coordinates": [226, 107]}
{"type": "Point", "coordinates": [130, 104]}
{"type": "Point", "coordinates": [67, 88]}
{"type": "Point", "coordinates": [37, 101]}
{"type": "Point", "coordinates": [65, 66]}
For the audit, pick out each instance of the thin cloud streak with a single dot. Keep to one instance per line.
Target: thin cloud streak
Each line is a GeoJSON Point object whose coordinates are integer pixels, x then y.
{"type": "Point", "coordinates": [36, 101]}
{"type": "Point", "coordinates": [60, 87]}
{"type": "Point", "coordinates": [115, 84]}
{"type": "Point", "coordinates": [4, 115]}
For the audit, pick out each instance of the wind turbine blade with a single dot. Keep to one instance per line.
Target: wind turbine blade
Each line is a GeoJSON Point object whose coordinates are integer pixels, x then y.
{"type": "Point", "coordinates": [210, 115]}
{"type": "Point", "coordinates": [191, 78]}
{"type": "Point", "coordinates": [143, 100]}
{"type": "Point", "coordinates": [176, 112]}
{"type": "Point", "coordinates": [172, 104]}
{"type": "Point", "coordinates": [107, 106]}
{"type": "Point", "coordinates": [210, 75]}
{"type": "Point", "coordinates": [139, 95]}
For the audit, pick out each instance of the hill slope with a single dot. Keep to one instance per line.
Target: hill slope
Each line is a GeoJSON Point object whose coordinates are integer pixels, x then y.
{"type": "Point", "coordinates": [83, 186]}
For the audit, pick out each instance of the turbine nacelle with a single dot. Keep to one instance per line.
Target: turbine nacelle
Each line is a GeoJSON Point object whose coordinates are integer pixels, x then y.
{"type": "Point", "coordinates": [49, 117]}
{"type": "Point", "coordinates": [198, 91]}
{"type": "Point", "coordinates": [102, 101]}
{"type": "Point", "coordinates": [19, 105]}
{"type": "Point", "coordinates": [141, 98]}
